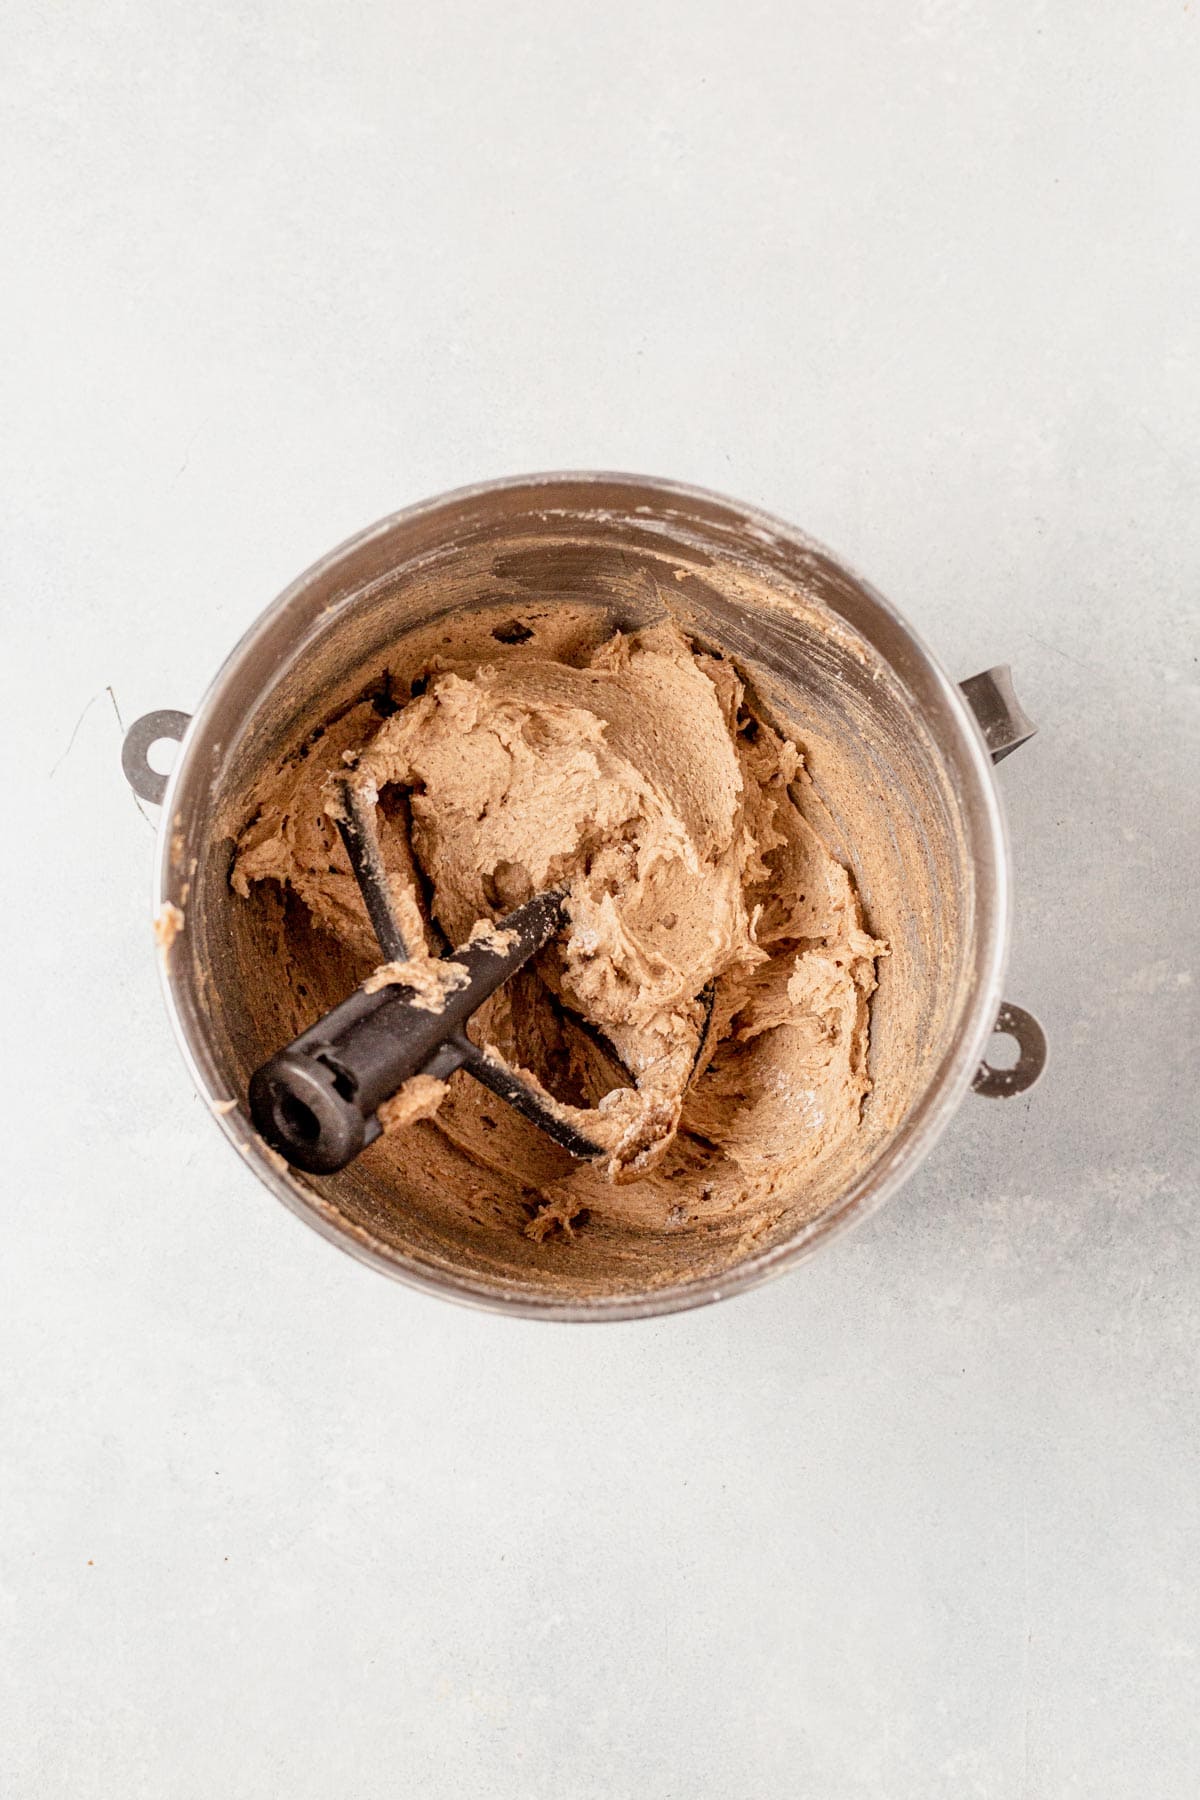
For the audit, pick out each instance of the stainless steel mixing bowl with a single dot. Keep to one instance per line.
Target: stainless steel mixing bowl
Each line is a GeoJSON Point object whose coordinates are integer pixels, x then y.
{"type": "Point", "coordinates": [901, 757]}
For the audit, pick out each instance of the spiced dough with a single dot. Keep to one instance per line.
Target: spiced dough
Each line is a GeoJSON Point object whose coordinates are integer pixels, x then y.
{"type": "Point", "coordinates": [704, 1016]}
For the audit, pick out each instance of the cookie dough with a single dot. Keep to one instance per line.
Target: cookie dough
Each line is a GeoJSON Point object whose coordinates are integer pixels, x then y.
{"type": "Point", "coordinates": [705, 1013]}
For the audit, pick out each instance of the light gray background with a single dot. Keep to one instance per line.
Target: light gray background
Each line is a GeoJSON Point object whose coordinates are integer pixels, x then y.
{"type": "Point", "coordinates": [920, 1520]}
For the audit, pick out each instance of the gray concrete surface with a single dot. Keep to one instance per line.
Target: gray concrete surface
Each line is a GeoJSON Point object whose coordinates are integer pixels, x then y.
{"type": "Point", "coordinates": [920, 1520]}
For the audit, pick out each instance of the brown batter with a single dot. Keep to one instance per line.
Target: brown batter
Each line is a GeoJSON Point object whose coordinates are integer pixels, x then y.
{"type": "Point", "coordinates": [705, 1013]}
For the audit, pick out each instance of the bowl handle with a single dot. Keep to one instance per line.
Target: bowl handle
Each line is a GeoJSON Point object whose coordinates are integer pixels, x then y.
{"type": "Point", "coordinates": [140, 739]}
{"type": "Point", "coordinates": [1000, 1084]}
{"type": "Point", "coordinates": [1002, 719]}
{"type": "Point", "coordinates": [1006, 726]}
